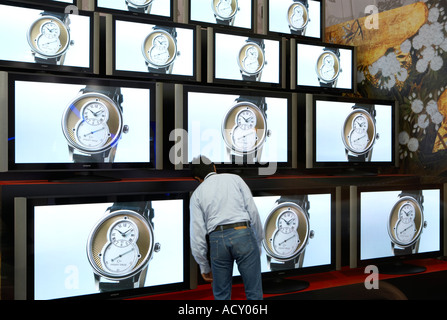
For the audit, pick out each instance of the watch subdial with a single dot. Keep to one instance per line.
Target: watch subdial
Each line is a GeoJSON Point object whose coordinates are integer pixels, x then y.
{"type": "Point", "coordinates": [95, 113]}
{"type": "Point", "coordinates": [119, 260]}
{"type": "Point", "coordinates": [328, 66]}
{"type": "Point", "coordinates": [124, 233]}
{"type": "Point", "coordinates": [405, 232]}
{"type": "Point", "coordinates": [91, 137]}
{"type": "Point", "coordinates": [246, 119]}
{"type": "Point", "coordinates": [285, 244]}
{"type": "Point", "coordinates": [287, 221]}
{"type": "Point", "coordinates": [244, 140]}
{"type": "Point", "coordinates": [298, 16]}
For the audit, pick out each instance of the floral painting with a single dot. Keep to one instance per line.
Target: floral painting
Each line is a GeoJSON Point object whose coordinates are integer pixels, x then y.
{"type": "Point", "coordinates": [402, 55]}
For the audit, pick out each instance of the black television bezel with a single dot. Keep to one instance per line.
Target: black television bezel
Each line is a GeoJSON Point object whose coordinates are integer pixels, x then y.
{"type": "Point", "coordinates": [211, 61]}
{"type": "Point", "coordinates": [355, 227]}
{"type": "Point", "coordinates": [270, 32]}
{"type": "Point", "coordinates": [70, 166]}
{"type": "Point", "coordinates": [311, 161]}
{"type": "Point", "coordinates": [297, 272]}
{"type": "Point", "coordinates": [96, 8]}
{"type": "Point", "coordinates": [18, 65]}
{"type": "Point", "coordinates": [48, 2]}
{"type": "Point", "coordinates": [152, 76]}
{"type": "Point", "coordinates": [31, 202]}
{"type": "Point", "coordinates": [246, 92]}
{"type": "Point", "coordinates": [294, 43]}
{"type": "Point", "coordinates": [228, 27]}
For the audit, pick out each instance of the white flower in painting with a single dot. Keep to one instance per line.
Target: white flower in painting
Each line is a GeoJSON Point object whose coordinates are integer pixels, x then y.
{"type": "Point", "coordinates": [413, 144]}
{"type": "Point", "coordinates": [404, 138]}
{"type": "Point", "coordinates": [423, 121]}
{"type": "Point", "coordinates": [417, 106]}
{"type": "Point", "coordinates": [433, 15]}
{"type": "Point", "coordinates": [391, 70]}
{"type": "Point", "coordinates": [405, 47]}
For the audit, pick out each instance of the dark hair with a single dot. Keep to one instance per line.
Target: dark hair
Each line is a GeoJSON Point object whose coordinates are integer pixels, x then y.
{"type": "Point", "coordinates": [201, 166]}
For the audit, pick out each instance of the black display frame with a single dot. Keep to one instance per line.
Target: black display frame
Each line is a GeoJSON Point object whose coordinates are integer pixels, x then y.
{"type": "Point", "coordinates": [94, 43]}
{"type": "Point", "coordinates": [397, 264]}
{"type": "Point", "coordinates": [111, 57]}
{"type": "Point", "coordinates": [211, 60]}
{"type": "Point", "coordinates": [182, 108]}
{"type": "Point", "coordinates": [352, 167]}
{"type": "Point", "coordinates": [89, 167]}
{"type": "Point", "coordinates": [32, 201]}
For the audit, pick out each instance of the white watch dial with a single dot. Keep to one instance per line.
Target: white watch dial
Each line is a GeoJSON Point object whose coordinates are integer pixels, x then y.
{"type": "Point", "coordinates": [95, 113]}
{"type": "Point", "coordinates": [159, 53]}
{"type": "Point", "coordinates": [91, 136]}
{"type": "Point", "coordinates": [224, 8]}
{"type": "Point", "coordinates": [124, 233]}
{"type": "Point", "coordinates": [285, 244]}
{"type": "Point", "coordinates": [118, 260]}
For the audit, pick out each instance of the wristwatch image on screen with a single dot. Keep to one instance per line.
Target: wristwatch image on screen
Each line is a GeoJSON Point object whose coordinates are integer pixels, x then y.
{"type": "Point", "coordinates": [298, 17]}
{"type": "Point", "coordinates": [287, 233]}
{"type": "Point", "coordinates": [49, 38]}
{"type": "Point", "coordinates": [359, 133]}
{"type": "Point", "coordinates": [93, 124]}
{"type": "Point", "coordinates": [121, 245]}
{"type": "Point", "coordinates": [244, 129]}
{"type": "Point", "coordinates": [406, 223]}
{"type": "Point", "coordinates": [225, 11]}
{"type": "Point", "coordinates": [251, 59]}
{"type": "Point", "coordinates": [160, 49]}
{"type": "Point", "coordinates": [140, 6]}
{"type": "Point", "coordinates": [328, 67]}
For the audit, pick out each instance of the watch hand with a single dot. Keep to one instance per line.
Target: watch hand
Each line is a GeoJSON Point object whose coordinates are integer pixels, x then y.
{"type": "Point", "coordinates": [281, 243]}
{"type": "Point", "coordinates": [123, 254]}
{"type": "Point", "coordinates": [93, 132]}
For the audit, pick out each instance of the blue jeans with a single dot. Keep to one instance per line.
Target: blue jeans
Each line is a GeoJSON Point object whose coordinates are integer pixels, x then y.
{"type": "Point", "coordinates": [232, 245]}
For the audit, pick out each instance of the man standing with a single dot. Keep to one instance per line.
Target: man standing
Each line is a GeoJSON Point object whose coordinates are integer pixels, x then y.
{"type": "Point", "coordinates": [222, 207]}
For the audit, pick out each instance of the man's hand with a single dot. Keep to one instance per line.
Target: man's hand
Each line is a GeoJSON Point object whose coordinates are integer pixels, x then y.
{"type": "Point", "coordinates": [208, 277]}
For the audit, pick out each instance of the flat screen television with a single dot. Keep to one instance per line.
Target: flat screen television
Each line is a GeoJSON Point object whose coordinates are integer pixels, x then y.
{"type": "Point", "coordinates": [322, 67]}
{"type": "Point", "coordinates": [297, 18]}
{"type": "Point", "coordinates": [249, 60]}
{"type": "Point", "coordinates": [101, 247]}
{"type": "Point", "coordinates": [239, 14]}
{"type": "Point", "coordinates": [299, 237]}
{"type": "Point", "coordinates": [350, 133]}
{"type": "Point", "coordinates": [161, 50]}
{"type": "Point", "coordinates": [154, 9]}
{"type": "Point", "coordinates": [59, 3]}
{"type": "Point", "coordinates": [46, 38]}
{"type": "Point", "coordinates": [61, 123]}
{"type": "Point", "coordinates": [391, 225]}
{"type": "Point", "coordinates": [234, 128]}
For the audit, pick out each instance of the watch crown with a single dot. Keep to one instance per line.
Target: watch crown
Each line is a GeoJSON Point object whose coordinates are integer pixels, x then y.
{"type": "Point", "coordinates": [311, 234]}
{"type": "Point", "coordinates": [157, 247]}
{"type": "Point", "coordinates": [126, 129]}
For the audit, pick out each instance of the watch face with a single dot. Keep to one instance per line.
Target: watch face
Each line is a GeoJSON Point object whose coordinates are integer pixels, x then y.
{"type": "Point", "coordinates": [244, 128]}
{"type": "Point", "coordinates": [359, 132]}
{"type": "Point", "coordinates": [120, 244]}
{"type": "Point", "coordinates": [297, 16]}
{"type": "Point", "coordinates": [225, 9]}
{"type": "Point", "coordinates": [159, 49]}
{"type": "Point", "coordinates": [92, 123]}
{"type": "Point", "coordinates": [251, 58]}
{"type": "Point", "coordinates": [48, 36]}
{"type": "Point", "coordinates": [405, 222]}
{"type": "Point", "coordinates": [328, 66]}
{"type": "Point", "coordinates": [286, 231]}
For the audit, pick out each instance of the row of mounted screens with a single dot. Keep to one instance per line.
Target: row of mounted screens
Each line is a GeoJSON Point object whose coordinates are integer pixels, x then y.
{"type": "Point", "coordinates": [290, 17]}
{"type": "Point", "coordinates": [58, 122]}
{"type": "Point", "coordinates": [137, 245]}
{"type": "Point", "coordinates": [163, 50]}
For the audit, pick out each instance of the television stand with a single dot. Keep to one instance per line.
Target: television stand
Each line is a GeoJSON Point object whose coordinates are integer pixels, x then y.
{"type": "Point", "coordinates": [400, 268]}
{"type": "Point", "coordinates": [282, 285]}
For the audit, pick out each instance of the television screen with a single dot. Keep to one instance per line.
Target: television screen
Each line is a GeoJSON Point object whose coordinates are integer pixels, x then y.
{"type": "Point", "coordinates": [395, 224]}
{"type": "Point", "coordinates": [298, 18]}
{"type": "Point", "coordinates": [299, 235]}
{"type": "Point", "coordinates": [110, 249]}
{"type": "Point", "coordinates": [52, 2]}
{"type": "Point", "coordinates": [324, 68]}
{"type": "Point", "coordinates": [238, 127]}
{"type": "Point", "coordinates": [80, 123]}
{"type": "Point", "coordinates": [153, 50]}
{"type": "Point", "coordinates": [47, 40]}
{"type": "Point", "coordinates": [253, 59]}
{"type": "Point", "coordinates": [145, 8]}
{"type": "Point", "coordinates": [225, 13]}
{"type": "Point", "coordinates": [351, 131]}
